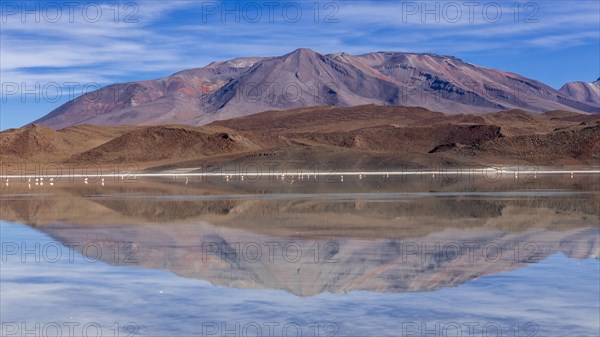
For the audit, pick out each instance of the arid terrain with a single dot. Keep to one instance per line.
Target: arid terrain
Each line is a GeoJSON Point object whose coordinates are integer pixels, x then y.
{"type": "Point", "coordinates": [305, 78]}
{"type": "Point", "coordinates": [363, 137]}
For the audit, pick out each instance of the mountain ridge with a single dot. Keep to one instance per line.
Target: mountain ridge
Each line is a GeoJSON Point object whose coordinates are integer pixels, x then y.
{"type": "Point", "coordinates": [583, 91]}
{"type": "Point", "coordinates": [305, 78]}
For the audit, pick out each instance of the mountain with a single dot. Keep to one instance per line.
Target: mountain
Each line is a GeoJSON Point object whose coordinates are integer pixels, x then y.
{"type": "Point", "coordinates": [305, 78]}
{"type": "Point", "coordinates": [583, 91]}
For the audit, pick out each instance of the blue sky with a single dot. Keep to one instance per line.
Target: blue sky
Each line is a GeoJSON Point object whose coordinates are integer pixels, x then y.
{"type": "Point", "coordinates": [53, 51]}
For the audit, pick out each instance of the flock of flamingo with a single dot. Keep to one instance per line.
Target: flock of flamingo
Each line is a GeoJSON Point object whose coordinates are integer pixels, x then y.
{"type": "Point", "coordinates": [39, 181]}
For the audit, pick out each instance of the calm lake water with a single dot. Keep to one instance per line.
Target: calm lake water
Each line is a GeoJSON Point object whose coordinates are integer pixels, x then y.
{"type": "Point", "coordinates": [369, 256]}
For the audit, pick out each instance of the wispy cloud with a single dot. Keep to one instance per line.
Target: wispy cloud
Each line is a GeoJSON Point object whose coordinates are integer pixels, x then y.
{"type": "Point", "coordinates": [162, 37]}
{"type": "Point", "coordinates": [151, 39]}
{"type": "Point", "coordinates": [565, 40]}
{"type": "Point", "coordinates": [118, 43]}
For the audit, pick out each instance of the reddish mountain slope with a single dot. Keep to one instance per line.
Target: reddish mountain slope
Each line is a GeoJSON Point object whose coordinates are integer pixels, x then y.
{"type": "Point", "coordinates": [305, 78]}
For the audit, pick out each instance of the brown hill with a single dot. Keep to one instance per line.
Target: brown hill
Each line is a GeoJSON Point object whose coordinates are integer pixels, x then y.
{"type": "Point", "coordinates": [582, 142]}
{"type": "Point", "coordinates": [164, 143]}
{"type": "Point", "coordinates": [349, 138]}
{"type": "Point", "coordinates": [36, 142]}
{"type": "Point", "coordinates": [31, 141]}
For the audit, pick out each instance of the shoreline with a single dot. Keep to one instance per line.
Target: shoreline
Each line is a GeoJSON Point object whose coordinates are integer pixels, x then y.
{"type": "Point", "coordinates": [192, 172]}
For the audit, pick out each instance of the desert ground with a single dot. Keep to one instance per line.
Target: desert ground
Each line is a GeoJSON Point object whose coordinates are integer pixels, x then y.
{"type": "Point", "coordinates": [358, 138]}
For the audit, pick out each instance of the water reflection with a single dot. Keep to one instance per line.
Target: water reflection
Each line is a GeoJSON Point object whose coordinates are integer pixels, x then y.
{"type": "Point", "coordinates": [353, 259]}
{"type": "Point", "coordinates": [307, 243]}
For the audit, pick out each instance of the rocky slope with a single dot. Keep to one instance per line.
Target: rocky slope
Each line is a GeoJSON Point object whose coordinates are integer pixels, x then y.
{"type": "Point", "coordinates": [363, 137]}
{"type": "Point", "coordinates": [583, 91]}
{"type": "Point", "coordinates": [305, 78]}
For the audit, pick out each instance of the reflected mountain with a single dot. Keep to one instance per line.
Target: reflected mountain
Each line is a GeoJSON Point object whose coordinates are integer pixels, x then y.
{"type": "Point", "coordinates": [308, 243]}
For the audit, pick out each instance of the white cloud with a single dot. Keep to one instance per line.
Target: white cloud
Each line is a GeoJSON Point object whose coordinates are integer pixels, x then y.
{"type": "Point", "coordinates": [170, 36]}
{"type": "Point", "coordinates": [565, 40]}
